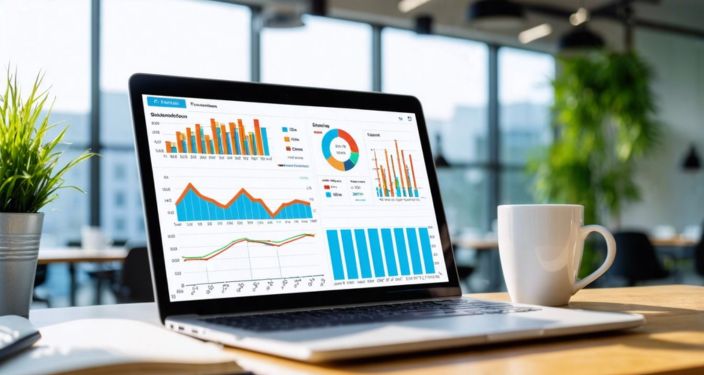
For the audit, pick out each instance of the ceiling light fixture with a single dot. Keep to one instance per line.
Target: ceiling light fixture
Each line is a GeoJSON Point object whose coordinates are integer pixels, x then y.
{"type": "Point", "coordinates": [496, 14]}
{"type": "Point", "coordinates": [579, 17]}
{"type": "Point", "coordinates": [535, 33]}
{"type": "Point", "coordinates": [406, 6]}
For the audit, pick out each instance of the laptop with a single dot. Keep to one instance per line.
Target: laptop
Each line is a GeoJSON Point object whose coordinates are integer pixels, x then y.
{"type": "Point", "coordinates": [307, 223]}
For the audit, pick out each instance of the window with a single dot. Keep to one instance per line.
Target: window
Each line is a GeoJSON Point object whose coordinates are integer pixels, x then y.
{"type": "Point", "coordinates": [35, 36]}
{"type": "Point", "coordinates": [525, 97]}
{"type": "Point", "coordinates": [119, 199]}
{"type": "Point", "coordinates": [449, 76]}
{"type": "Point", "coordinates": [212, 39]}
{"type": "Point", "coordinates": [179, 37]}
{"type": "Point", "coordinates": [325, 53]}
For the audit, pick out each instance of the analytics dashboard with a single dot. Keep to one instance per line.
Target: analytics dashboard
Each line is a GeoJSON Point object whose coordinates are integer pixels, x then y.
{"type": "Point", "coordinates": [260, 199]}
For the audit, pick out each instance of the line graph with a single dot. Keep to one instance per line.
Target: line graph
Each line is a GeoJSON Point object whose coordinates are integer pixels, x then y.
{"type": "Point", "coordinates": [272, 243]}
{"type": "Point", "coordinates": [192, 205]}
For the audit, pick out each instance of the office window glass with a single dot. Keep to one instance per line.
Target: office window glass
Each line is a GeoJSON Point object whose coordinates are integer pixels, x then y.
{"type": "Point", "coordinates": [525, 97]}
{"type": "Point", "coordinates": [121, 210]}
{"type": "Point", "coordinates": [516, 186]}
{"type": "Point", "coordinates": [179, 37]}
{"type": "Point", "coordinates": [53, 38]}
{"type": "Point", "coordinates": [65, 217]}
{"type": "Point", "coordinates": [324, 53]}
{"type": "Point", "coordinates": [37, 37]}
{"type": "Point", "coordinates": [464, 194]}
{"type": "Point", "coordinates": [449, 76]}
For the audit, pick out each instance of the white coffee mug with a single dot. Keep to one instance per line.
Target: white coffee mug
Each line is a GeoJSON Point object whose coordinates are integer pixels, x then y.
{"type": "Point", "coordinates": [541, 247]}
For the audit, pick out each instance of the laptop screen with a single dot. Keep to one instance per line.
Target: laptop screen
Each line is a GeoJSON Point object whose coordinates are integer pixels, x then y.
{"type": "Point", "coordinates": [261, 199]}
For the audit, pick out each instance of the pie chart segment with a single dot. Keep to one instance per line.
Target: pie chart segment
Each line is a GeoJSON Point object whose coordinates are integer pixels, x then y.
{"type": "Point", "coordinates": [340, 149]}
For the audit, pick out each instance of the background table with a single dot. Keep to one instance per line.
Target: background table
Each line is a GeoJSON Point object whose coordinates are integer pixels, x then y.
{"type": "Point", "coordinates": [74, 255]}
{"type": "Point", "coordinates": [671, 341]}
{"type": "Point", "coordinates": [493, 244]}
{"type": "Point", "coordinates": [78, 255]}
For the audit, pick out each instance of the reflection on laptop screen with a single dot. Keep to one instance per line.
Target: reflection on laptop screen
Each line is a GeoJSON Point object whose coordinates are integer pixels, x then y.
{"type": "Point", "coordinates": [260, 199]}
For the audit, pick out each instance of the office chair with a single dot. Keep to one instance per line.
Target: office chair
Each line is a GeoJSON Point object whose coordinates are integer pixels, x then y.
{"type": "Point", "coordinates": [104, 274]}
{"type": "Point", "coordinates": [135, 281]}
{"type": "Point", "coordinates": [40, 279]}
{"type": "Point", "coordinates": [699, 254]}
{"type": "Point", "coordinates": [636, 259]}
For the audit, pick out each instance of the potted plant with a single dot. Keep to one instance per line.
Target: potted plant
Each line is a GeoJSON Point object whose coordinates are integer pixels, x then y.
{"type": "Point", "coordinates": [604, 124]}
{"type": "Point", "coordinates": [30, 178]}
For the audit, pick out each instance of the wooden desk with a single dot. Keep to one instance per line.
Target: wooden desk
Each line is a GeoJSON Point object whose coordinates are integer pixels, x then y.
{"type": "Point", "coordinates": [677, 241]}
{"type": "Point", "coordinates": [479, 244]}
{"type": "Point", "coordinates": [671, 341]}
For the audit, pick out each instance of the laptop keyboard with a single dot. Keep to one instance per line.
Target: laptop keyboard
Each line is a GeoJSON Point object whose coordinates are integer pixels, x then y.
{"type": "Point", "coordinates": [340, 316]}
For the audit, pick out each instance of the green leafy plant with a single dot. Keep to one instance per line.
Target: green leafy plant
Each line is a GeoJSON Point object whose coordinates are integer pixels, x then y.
{"type": "Point", "coordinates": [604, 119]}
{"type": "Point", "coordinates": [30, 174]}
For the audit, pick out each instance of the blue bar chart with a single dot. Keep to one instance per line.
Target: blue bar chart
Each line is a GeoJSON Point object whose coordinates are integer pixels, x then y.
{"type": "Point", "coordinates": [380, 252]}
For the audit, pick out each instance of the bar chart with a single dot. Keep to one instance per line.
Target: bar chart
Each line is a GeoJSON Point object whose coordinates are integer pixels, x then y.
{"type": "Point", "coordinates": [380, 252]}
{"type": "Point", "coordinates": [192, 205]}
{"type": "Point", "coordinates": [396, 177]}
{"type": "Point", "coordinates": [230, 139]}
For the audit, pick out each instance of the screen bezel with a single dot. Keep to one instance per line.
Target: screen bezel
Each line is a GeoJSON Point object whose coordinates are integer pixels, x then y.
{"type": "Point", "coordinates": [148, 84]}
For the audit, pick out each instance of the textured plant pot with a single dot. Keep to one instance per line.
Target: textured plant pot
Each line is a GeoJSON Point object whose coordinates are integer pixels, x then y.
{"type": "Point", "coordinates": [19, 248]}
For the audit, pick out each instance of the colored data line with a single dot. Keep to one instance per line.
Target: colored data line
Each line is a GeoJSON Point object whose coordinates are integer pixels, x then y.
{"type": "Point", "coordinates": [192, 205]}
{"type": "Point", "coordinates": [363, 253]}
{"type": "Point", "coordinates": [232, 243]}
{"type": "Point", "coordinates": [391, 183]}
{"type": "Point", "coordinates": [223, 139]}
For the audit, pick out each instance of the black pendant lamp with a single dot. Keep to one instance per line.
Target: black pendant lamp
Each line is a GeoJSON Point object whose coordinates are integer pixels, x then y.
{"type": "Point", "coordinates": [496, 14]}
{"type": "Point", "coordinates": [581, 38]}
{"type": "Point", "coordinates": [423, 24]}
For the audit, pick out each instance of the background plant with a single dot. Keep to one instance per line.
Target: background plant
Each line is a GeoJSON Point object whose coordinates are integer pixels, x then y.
{"type": "Point", "coordinates": [604, 119]}
{"type": "Point", "coordinates": [30, 172]}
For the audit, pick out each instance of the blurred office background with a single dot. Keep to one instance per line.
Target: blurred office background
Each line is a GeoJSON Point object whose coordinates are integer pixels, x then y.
{"type": "Point", "coordinates": [487, 98]}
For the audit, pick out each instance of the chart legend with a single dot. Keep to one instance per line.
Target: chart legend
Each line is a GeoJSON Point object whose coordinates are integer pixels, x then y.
{"type": "Point", "coordinates": [230, 139]}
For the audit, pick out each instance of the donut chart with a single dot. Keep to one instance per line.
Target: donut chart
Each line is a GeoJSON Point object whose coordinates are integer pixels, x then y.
{"type": "Point", "coordinates": [340, 149]}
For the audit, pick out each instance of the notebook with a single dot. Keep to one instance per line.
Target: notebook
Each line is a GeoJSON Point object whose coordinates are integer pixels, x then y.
{"type": "Point", "coordinates": [109, 346]}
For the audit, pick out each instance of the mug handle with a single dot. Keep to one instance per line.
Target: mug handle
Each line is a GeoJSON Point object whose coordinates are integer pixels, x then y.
{"type": "Point", "coordinates": [610, 255]}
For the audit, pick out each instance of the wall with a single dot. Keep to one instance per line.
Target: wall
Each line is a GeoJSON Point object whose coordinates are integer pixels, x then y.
{"type": "Point", "coordinates": [670, 195]}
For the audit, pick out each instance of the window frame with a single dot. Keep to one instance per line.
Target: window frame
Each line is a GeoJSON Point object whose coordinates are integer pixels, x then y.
{"type": "Point", "coordinates": [494, 166]}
